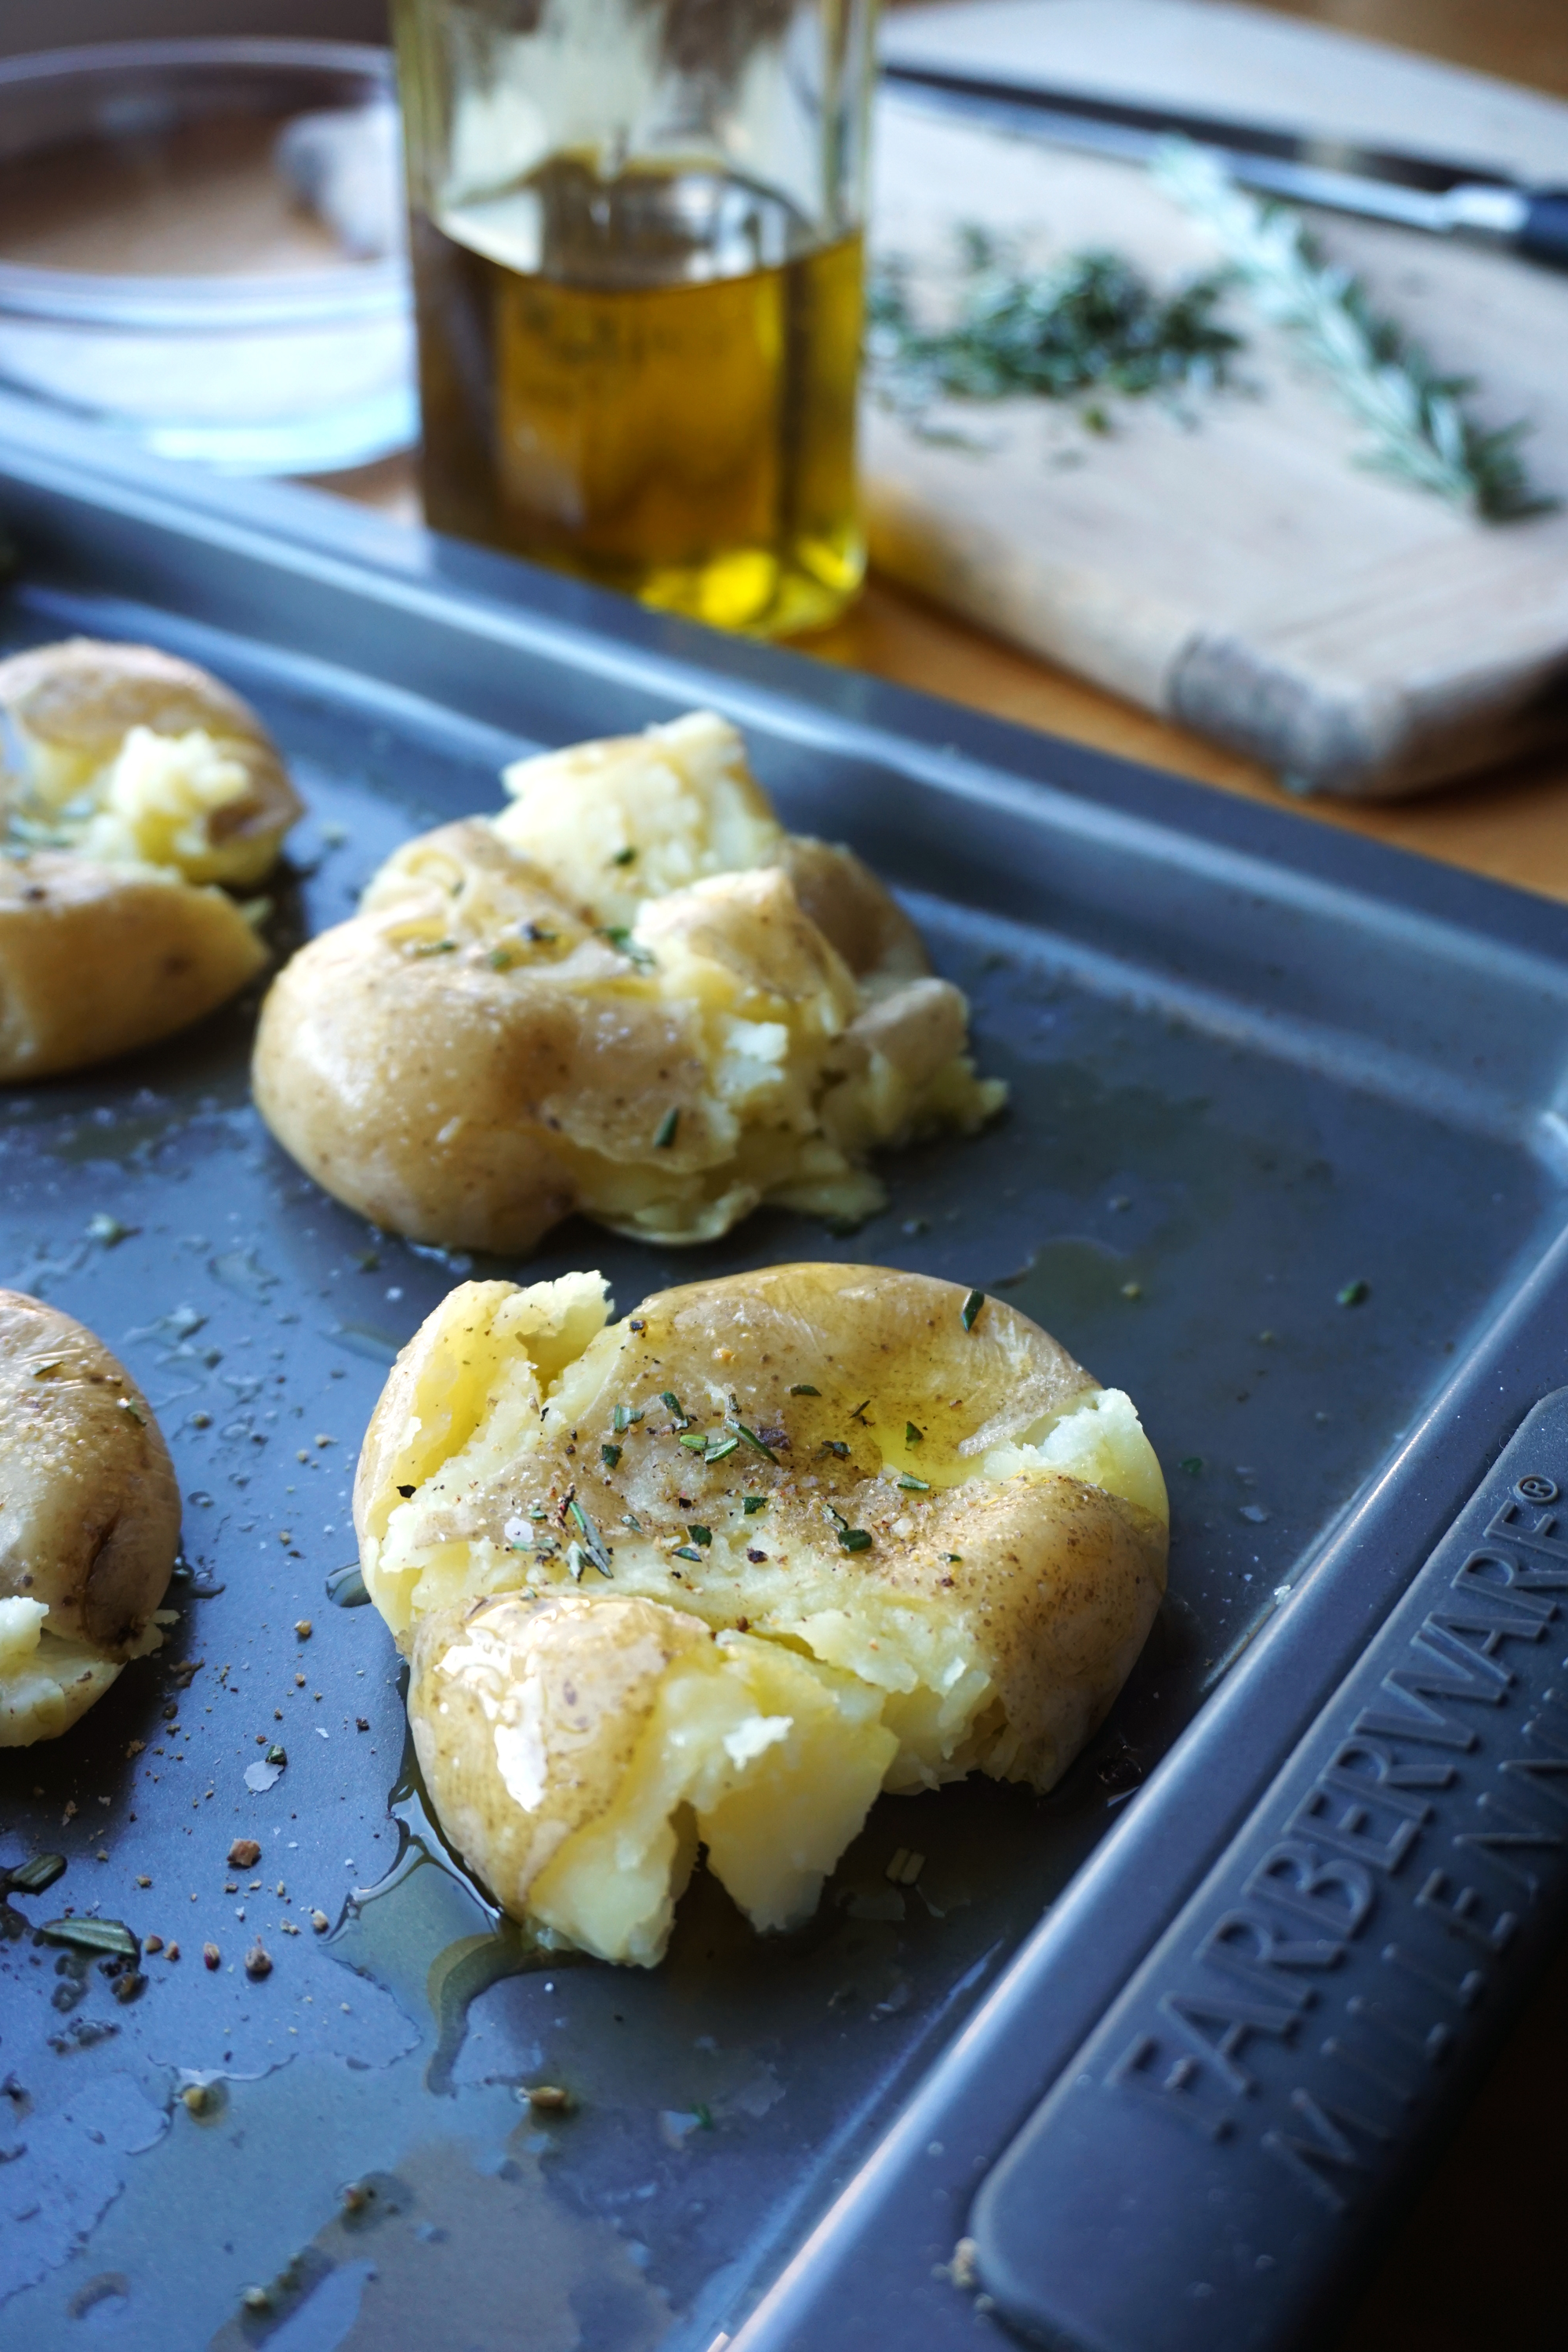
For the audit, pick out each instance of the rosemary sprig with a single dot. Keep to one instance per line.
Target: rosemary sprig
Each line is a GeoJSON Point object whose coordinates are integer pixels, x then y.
{"type": "Point", "coordinates": [1091, 324]}
{"type": "Point", "coordinates": [1418, 429]}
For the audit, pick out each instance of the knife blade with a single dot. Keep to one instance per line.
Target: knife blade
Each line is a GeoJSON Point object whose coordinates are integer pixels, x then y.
{"type": "Point", "coordinates": [1415, 191]}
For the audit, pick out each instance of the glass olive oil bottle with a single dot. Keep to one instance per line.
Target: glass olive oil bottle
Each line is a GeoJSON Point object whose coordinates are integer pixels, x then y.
{"type": "Point", "coordinates": [638, 359]}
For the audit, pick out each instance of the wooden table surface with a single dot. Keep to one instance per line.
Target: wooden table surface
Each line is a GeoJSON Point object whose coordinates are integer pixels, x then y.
{"type": "Point", "coordinates": [1510, 823]}
{"type": "Point", "coordinates": [1475, 2267]}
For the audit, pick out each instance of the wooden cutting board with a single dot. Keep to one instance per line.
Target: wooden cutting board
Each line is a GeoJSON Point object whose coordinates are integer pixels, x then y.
{"type": "Point", "coordinates": [1238, 572]}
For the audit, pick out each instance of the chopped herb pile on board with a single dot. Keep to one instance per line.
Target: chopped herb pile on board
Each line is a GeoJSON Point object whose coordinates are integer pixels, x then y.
{"type": "Point", "coordinates": [1089, 323]}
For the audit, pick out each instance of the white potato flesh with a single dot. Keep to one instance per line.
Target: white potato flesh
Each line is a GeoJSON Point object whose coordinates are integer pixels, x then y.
{"type": "Point", "coordinates": [45, 1682]}
{"type": "Point", "coordinates": [90, 1520]}
{"type": "Point", "coordinates": [132, 757]}
{"type": "Point", "coordinates": [637, 816]}
{"type": "Point", "coordinates": [518, 1023]}
{"type": "Point", "coordinates": [953, 1523]}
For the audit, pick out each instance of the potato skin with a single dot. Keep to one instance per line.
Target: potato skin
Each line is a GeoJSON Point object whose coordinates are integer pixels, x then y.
{"type": "Point", "coordinates": [433, 1094]}
{"type": "Point", "coordinates": [526, 1716]}
{"type": "Point", "coordinates": [90, 1509]}
{"type": "Point", "coordinates": [855, 912]}
{"type": "Point", "coordinates": [99, 960]}
{"type": "Point", "coordinates": [83, 697]}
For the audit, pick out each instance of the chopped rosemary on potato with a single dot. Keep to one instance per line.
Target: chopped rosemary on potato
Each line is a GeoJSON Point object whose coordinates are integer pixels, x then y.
{"type": "Point", "coordinates": [666, 1127]}
{"type": "Point", "coordinates": [703, 1536]}
{"type": "Point", "coordinates": [912, 1485]}
{"type": "Point", "coordinates": [972, 1306]}
{"type": "Point", "coordinates": [593, 1542]}
{"type": "Point", "coordinates": [609, 1456]}
{"type": "Point", "coordinates": [673, 1401]}
{"type": "Point", "coordinates": [913, 1436]}
{"type": "Point", "coordinates": [804, 1388]}
{"type": "Point", "coordinates": [621, 940]}
{"type": "Point", "coordinates": [753, 1441]}
{"type": "Point", "coordinates": [751, 1504]}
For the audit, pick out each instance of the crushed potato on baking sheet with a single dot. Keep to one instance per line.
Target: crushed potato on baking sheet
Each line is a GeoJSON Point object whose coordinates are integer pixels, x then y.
{"type": "Point", "coordinates": [631, 993]}
{"type": "Point", "coordinates": [719, 1572]}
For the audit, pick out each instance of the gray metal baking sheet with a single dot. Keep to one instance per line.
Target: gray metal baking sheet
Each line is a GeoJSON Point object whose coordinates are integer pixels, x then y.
{"type": "Point", "coordinates": [1250, 1067]}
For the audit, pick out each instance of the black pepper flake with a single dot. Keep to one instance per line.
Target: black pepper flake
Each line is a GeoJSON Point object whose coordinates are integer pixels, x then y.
{"type": "Point", "coordinates": [405, 1491]}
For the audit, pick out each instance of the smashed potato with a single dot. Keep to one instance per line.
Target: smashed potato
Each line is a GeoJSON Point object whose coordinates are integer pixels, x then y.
{"type": "Point", "coordinates": [721, 1570]}
{"type": "Point", "coordinates": [90, 1520]}
{"type": "Point", "coordinates": [133, 784]}
{"type": "Point", "coordinates": [631, 993]}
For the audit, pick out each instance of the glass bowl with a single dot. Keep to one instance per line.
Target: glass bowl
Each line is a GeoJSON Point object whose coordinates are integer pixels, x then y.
{"type": "Point", "coordinates": [201, 245]}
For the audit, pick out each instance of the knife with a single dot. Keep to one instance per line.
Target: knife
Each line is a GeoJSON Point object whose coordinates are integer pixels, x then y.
{"type": "Point", "coordinates": [1444, 199]}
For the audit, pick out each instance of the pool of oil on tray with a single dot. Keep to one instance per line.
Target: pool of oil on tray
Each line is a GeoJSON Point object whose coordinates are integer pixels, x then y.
{"type": "Point", "coordinates": [342, 2151]}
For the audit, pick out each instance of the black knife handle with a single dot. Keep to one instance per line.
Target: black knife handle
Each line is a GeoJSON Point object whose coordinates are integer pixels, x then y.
{"type": "Point", "coordinates": [1545, 234]}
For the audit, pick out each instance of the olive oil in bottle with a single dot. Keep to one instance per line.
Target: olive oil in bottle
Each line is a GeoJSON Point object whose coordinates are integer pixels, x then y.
{"type": "Point", "coordinates": [647, 379]}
